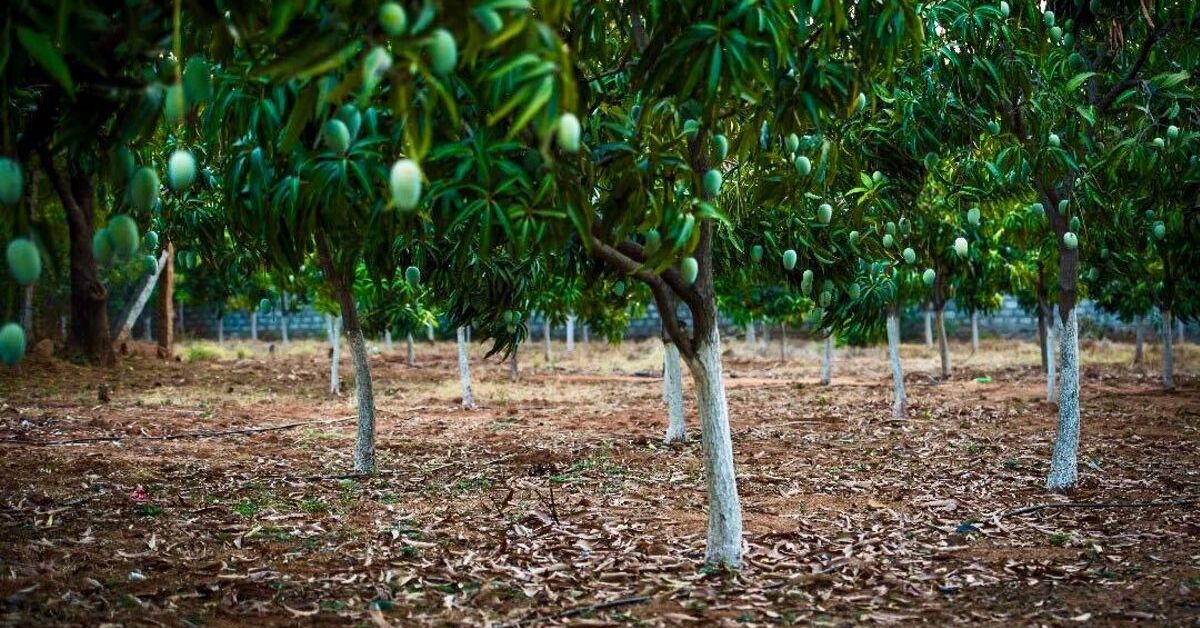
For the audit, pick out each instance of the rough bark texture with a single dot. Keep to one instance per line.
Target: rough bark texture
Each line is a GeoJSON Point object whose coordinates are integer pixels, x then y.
{"type": "Point", "coordinates": [724, 510]}
{"type": "Point", "coordinates": [164, 310]}
{"type": "Point", "coordinates": [464, 369]}
{"type": "Point", "coordinates": [1168, 360]}
{"type": "Point", "coordinates": [135, 306]}
{"type": "Point", "coordinates": [899, 399]}
{"type": "Point", "coordinates": [974, 331]}
{"type": "Point", "coordinates": [1064, 472]}
{"type": "Point", "coordinates": [827, 361]}
{"type": "Point", "coordinates": [1139, 336]}
{"type": "Point", "coordinates": [673, 394]}
{"type": "Point", "coordinates": [335, 353]}
{"type": "Point", "coordinates": [341, 282]}
{"type": "Point", "coordinates": [89, 333]}
{"type": "Point", "coordinates": [411, 351]}
{"type": "Point", "coordinates": [570, 333]}
{"type": "Point", "coordinates": [943, 343]}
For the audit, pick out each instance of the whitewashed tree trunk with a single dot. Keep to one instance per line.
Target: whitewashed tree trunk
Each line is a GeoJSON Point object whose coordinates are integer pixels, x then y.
{"type": "Point", "coordinates": [221, 328]}
{"type": "Point", "coordinates": [724, 509]}
{"type": "Point", "coordinates": [943, 343]}
{"type": "Point", "coordinates": [464, 369]}
{"type": "Point", "coordinates": [673, 394]}
{"type": "Point", "coordinates": [253, 324]}
{"type": "Point", "coordinates": [766, 334]}
{"type": "Point", "coordinates": [546, 337]}
{"type": "Point", "coordinates": [1139, 340]}
{"type": "Point", "coordinates": [429, 331]}
{"type": "Point", "coordinates": [335, 360]}
{"type": "Point", "coordinates": [1053, 330]}
{"type": "Point", "coordinates": [827, 360]}
{"type": "Point", "coordinates": [1179, 327]}
{"type": "Point", "coordinates": [570, 333]}
{"type": "Point", "coordinates": [1168, 360]}
{"type": "Point", "coordinates": [132, 312]}
{"type": "Point", "coordinates": [1064, 471]}
{"type": "Point", "coordinates": [899, 399]}
{"type": "Point", "coordinates": [387, 340]}
{"type": "Point", "coordinates": [147, 331]}
{"type": "Point", "coordinates": [468, 332]}
{"type": "Point", "coordinates": [364, 444]}
{"type": "Point", "coordinates": [750, 339]}
{"type": "Point", "coordinates": [974, 331]}
{"type": "Point", "coordinates": [283, 320]}
{"type": "Point", "coordinates": [411, 351]}
{"type": "Point", "coordinates": [586, 336]}
{"type": "Point", "coordinates": [929, 326]}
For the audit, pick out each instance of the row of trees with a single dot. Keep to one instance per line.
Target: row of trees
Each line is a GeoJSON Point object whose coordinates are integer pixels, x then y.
{"type": "Point", "coordinates": [825, 161]}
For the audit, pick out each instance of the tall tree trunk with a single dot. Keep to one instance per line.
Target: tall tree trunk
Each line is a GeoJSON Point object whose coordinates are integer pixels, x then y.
{"type": "Point", "coordinates": [928, 325]}
{"type": "Point", "coordinates": [974, 331]}
{"type": "Point", "coordinates": [89, 333]}
{"type": "Point", "coordinates": [586, 336]}
{"type": "Point", "coordinates": [27, 312]}
{"type": "Point", "coordinates": [464, 369]}
{"type": "Point", "coordinates": [429, 331]}
{"type": "Point", "coordinates": [1043, 347]}
{"type": "Point", "coordinates": [1053, 330]}
{"type": "Point", "coordinates": [411, 353]}
{"type": "Point", "coordinates": [1168, 360]}
{"type": "Point", "coordinates": [335, 353]}
{"type": "Point", "coordinates": [570, 333]}
{"type": "Point", "coordinates": [254, 324]}
{"type": "Point", "coordinates": [1139, 339]}
{"type": "Point", "coordinates": [899, 399]}
{"type": "Point", "coordinates": [673, 393]}
{"type": "Point", "coordinates": [750, 339]}
{"type": "Point", "coordinates": [514, 368]}
{"type": "Point", "coordinates": [147, 327]}
{"type": "Point", "coordinates": [341, 282]}
{"type": "Point", "coordinates": [827, 360]}
{"type": "Point", "coordinates": [546, 337]}
{"type": "Point", "coordinates": [1064, 472]}
{"type": "Point", "coordinates": [283, 320]}
{"type": "Point", "coordinates": [387, 340]}
{"type": "Point", "coordinates": [220, 327]}
{"type": "Point", "coordinates": [135, 306]}
{"type": "Point", "coordinates": [724, 509]}
{"type": "Point", "coordinates": [943, 341]}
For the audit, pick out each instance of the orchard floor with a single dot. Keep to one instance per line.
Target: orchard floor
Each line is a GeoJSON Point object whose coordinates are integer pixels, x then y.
{"type": "Point", "coordinates": [555, 501]}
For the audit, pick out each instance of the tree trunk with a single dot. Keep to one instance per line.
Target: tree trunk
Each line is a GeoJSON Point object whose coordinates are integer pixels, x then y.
{"type": "Point", "coordinates": [1168, 360]}
{"type": "Point", "coordinates": [766, 333]}
{"type": "Point", "coordinates": [147, 328]}
{"type": "Point", "coordinates": [827, 360]}
{"type": "Point", "coordinates": [1139, 339]}
{"type": "Point", "coordinates": [586, 336]}
{"type": "Point", "coordinates": [283, 320]}
{"type": "Point", "coordinates": [221, 328]}
{"type": "Point", "coordinates": [750, 339]}
{"type": "Point", "coordinates": [943, 342]}
{"type": "Point", "coordinates": [429, 331]}
{"type": "Point", "coordinates": [546, 337]}
{"type": "Point", "coordinates": [335, 353]}
{"type": "Point", "coordinates": [164, 314]}
{"type": "Point", "coordinates": [387, 340]}
{"type": "Point", "coordinates": [570, 333]}
{"type": "Point", "coordinates": [1064, 471]}
{"type": "Point", "coordinates": [673, 393]}
{"type": "Point", "coordinates": [134, 309]}
{"type": "Point", "coordinates": [783, 342]}
{"type": "Point", "coordinates": [514, 368]}
{"type": "Point", "coordinates": [89, 332]}
{"type": "Point", "coordinates": [27, 312]}
{"type": "Point", "coordinates": [411, 353]}
{"type": "Point", "coordinates": [899, 399]}
{"type": "Point", "coordinates": [974, 331]}
{"type": "Point", "coordinates": [254, 325]}
{"type": "Point", "coordinates": [928, 326]}
{"type": "Point", "coordinates": [1042, 344]}
{"type": "Point", "coordinates": [724, 510]}
{"type": "Point", "coordinates": [1053, 330]}
{"type": "Point", "coordinates": [1179, 327]}
{"type": "Point", "coordinates": [468, 333]}
{"type": "Point", "coordinates": [464, 369]}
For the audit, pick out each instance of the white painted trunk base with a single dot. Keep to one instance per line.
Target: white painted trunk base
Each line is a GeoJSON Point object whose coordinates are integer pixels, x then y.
{"type": "Point", "coordinates": [514, 368]}
{"type": "Point", "coordinates": [335, 361]}
{"type": "Point", "coordinates": [283, 320]}
{"type": "Point", "coordinates": [1053, 330]}
{"type": "Point", "coordinates": [464, 369]}
{"type": "Point", "coordinates": [827, 361]}
{"type": "Point", "coordinates": [750, 339]}
{"type": "Point", "coordinates": [571, 333]}
{"type": "Point", "coordinates": [929, 327]}
{"type": "Point", "coordinates": [899, 399]}
{"type": "Point", "coordinates": [254, 324]}
{"type": "Point", "coordinates": [221, 329]}
{"type": "Point", "coordinates": [724, 510]}
{"type": "Point", "coordinates": [1168, 361]}
{"type": "Point", "coordinates": [411, 356]}
{"type": "Point", "coordinates": [1139, 335]}
{"type": "Point", "coordinates": [943, 343]}
{"type": "Point", "coordinates": [546, 338]}
{"type": "Point", "coordinates": [1064, 470]}
{"type": "Point", "coordinates": [364, 444]}
{"type": "Point", "coordinates": [429, 331]}
{"type": "Point", "coordinates": [387, 340]}
{"type": "Point", "coordinates": [673, 394]}
{"type": "Point", "coordinates": [974, 331]}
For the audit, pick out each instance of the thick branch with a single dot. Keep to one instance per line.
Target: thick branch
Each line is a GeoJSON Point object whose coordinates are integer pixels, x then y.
{"type": "Point", "coordinates": [669, 275]}
{"type": "Point", "coordinates": [622, 262]}
{"type": "Point", "coordinates": [1110, 97]}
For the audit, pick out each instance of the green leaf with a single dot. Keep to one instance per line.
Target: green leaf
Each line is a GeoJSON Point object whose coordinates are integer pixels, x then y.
{"type": "Point", "coordinates": [1077, 81]}
{"type": "Point", "coordinates": [39, 47]}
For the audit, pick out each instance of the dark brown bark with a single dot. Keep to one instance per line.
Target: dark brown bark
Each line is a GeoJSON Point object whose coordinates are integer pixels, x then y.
{"type": "Point", "coordinates": [164, 306]}
{"type": "Point", "coordinates": [88, 334]}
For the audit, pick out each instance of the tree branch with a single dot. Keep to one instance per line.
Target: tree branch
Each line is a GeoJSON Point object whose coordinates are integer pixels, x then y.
{"type": "Point", "coordinates": [1108, 99]}
{"type": "Point", "coordinates": [615, 258]}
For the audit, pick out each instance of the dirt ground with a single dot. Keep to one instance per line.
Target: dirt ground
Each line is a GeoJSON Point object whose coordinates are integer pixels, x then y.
{"type": "Point", "coordinates": [556, 502]}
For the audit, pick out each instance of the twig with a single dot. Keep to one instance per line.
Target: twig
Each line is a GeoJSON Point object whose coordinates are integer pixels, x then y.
{"type": "Point", "coordinates": [1154, 504]}
{"type": "Point", "coordinates": [579, 610]}
{"type": "Point", "coordinates": [181, 435]}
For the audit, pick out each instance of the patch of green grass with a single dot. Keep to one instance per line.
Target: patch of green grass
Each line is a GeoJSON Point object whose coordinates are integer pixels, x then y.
{"type": "Point", "coordinates": [1011, 464]}
{"type": "Point", "coordinates": [246, 508]}
{"type": "Point", "coordinates": [201, 353]}
{"type": "Point", "coordinates": [314, 506]}
{"type": "Point", "coordinates": [149, 510]}
{"type": "Point", "coordinates": [974, 449]}
{"type": "Point", "coordinates": [470, 484]}
{"type": "Point", "coordinates": [333, 605]}
{"type": "Point", "coordinates": [1059, 539]}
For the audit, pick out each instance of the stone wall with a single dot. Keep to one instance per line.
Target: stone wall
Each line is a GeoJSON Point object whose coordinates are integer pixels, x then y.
{"type": "Point", "coordinates": [1009, 321]}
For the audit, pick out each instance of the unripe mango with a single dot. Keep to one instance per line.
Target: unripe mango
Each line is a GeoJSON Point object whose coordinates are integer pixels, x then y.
{"type": "Point", "coordinates": [929, 276]}
{"type": "Point", "coordinates": [12, 344]}
{"type": "Point", "coordinates": [792, 143]}
{"type": "Point", "coordinates": [569, 132]}
{"type": "Point", "coordinates": [443, 51]}
{"type": "Point", "coordinates": [12, 181]}
{"type": "Point", "coordinates": [1070, 240]}
{"type": "Point", "coordinates": [803, 165]}
{"type": "Point", "coordinates": [825, 213]}
{"type": "Point", "coordinates": [789, 259]}
{"type": "Point", "coordinates": [712, 183]}
{"type": "Point", "coordinates": [24, 261]}
{"type": "Point", "coordinates": [961, 247]}
{"type": "Point", "coordinates": [336, 135]}
{"type": "Point", "coordinates": [412, 275]}
{"type": "Point", "coordinates": [174, 104]}
{"type": "Point", "coordinates": [102, 247]}
{"type": "Point", "coordinates": [910, 256]}
{"type": "Point", "coordinates": [690, 269]}
{"type": "Point", "coordinates": [124, 233]}
{"type": "Point", "coordinates": [392, 19]}
{"type": "Point", "coordinates": [973, 216]}
{"type": "Point", "coordinates": [756, 253]}
{"type": "Point", "coordinates": [806, 282]}
{"type": "Point", "coordinates": [722, 145]}
{"type": "Point", "coordinates": [143, 190]}
{"type": "Point", "coordinates": [653, 241]}
{"type": "Point", "coordinates": [181, 170]}
{"type": "Point", "coordinates": [405, 180]}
